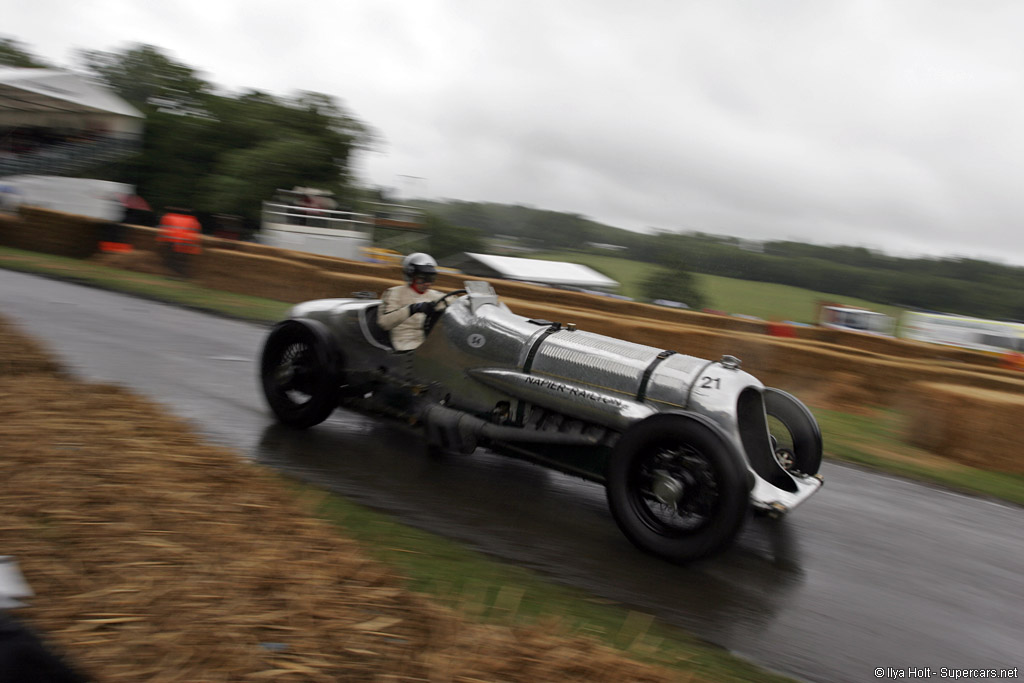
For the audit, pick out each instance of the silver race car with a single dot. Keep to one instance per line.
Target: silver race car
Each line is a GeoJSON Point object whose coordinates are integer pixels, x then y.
{"type": "Point", "coordinates": [684, 446]}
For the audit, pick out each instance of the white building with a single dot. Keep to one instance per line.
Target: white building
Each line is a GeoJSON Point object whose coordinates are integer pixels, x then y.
{"type": "Point", "coordinates": [51, 98]}
{"type": "Point", "coordinates": [551, 273]}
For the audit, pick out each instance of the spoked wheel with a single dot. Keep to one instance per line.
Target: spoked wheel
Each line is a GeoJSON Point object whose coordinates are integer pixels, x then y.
{"type": "Point", "coordinates": [676, 488]}
{"type": "Point", "coordinates": [298, 381]}
{"type": "Point", "coordinates": [795, 435]}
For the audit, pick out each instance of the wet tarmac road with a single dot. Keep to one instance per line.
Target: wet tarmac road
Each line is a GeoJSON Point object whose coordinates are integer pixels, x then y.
{"type": "Point", "coordinates": [872, 572]}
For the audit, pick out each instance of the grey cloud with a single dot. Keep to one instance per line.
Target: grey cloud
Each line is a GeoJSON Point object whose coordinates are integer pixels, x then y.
{"type": "Point", "coordinates": [890, 125]}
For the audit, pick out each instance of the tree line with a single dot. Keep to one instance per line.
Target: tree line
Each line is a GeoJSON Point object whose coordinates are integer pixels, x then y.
{"type": "Point", "coordinates": [954, 285]}
{"type": "Point", "coordinates": [214, 152]}
{"type": "Point", "coordinates": [226, 153]}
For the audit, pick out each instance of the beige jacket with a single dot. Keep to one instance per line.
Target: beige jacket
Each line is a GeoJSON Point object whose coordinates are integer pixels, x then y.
{"type": "Point", "coordinates": [406, 328]}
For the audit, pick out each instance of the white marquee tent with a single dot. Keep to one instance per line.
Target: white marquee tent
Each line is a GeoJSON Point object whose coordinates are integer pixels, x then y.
{"type": "Point", "coordinates": [552, 273]}
{"type": "Point", "coordinates": [50, 98]}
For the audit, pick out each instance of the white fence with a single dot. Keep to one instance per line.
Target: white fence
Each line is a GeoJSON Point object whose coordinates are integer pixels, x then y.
{"type": "Point", "coordinates": [343, 234]}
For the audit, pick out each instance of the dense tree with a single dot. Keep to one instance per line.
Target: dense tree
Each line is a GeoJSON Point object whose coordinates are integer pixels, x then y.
{"type": "Point", "coordinates": [447, 238]}
{"type": "Point", "coordinates": [532, 226]}
{"type": "Point", "coordinates": [225, 154]}
{"type": "Point", "coordinates": [673, 283]}
{"type": "Point", "coordinates": [148, 78]}
{"type": "Point", "coordinates": [246, 176]}
{"type": "Point", "coordinates": [14, 53]}
{"type": "Point", "coordinates": [222, 153]}
{"type": "Point", "coordinates": [955, 285]}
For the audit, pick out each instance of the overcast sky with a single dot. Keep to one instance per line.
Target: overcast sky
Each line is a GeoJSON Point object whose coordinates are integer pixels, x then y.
{"type": "Point", "coordinates": [895, 125]}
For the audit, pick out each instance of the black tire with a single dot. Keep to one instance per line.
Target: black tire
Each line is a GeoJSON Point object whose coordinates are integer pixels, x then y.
{"type": "Point", "coordinates": [685, 459]}
{"type": "Point", "coordinates": [299, 380]}
{"type": "Point", "coordinates": [796, 436]}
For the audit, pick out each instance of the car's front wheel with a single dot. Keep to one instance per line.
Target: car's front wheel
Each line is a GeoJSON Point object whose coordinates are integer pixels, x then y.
{"type": "Point", "coordinates": [676, 488]}
{"type": "Point", "coordinates": [299, 382]}
{"type": "Point", "coordinates": [796, 437]}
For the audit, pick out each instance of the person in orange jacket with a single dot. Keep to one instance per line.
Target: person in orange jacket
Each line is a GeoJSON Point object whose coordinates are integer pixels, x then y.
{"type": "Point", "coordinates": [1013, 360]}
{"type": "Point", "coordinates": [180, 238]}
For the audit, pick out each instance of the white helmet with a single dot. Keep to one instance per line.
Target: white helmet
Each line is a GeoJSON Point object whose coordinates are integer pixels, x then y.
{"type": "Point", "coordinates": [419, 265]}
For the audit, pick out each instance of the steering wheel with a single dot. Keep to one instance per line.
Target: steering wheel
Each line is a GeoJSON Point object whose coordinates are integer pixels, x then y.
{"type": "Point", "coordinates": [438, 312]}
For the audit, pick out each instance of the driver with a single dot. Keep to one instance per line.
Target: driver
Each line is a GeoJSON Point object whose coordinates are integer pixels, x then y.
{"type": "Point", "coordinates": [404, 309]}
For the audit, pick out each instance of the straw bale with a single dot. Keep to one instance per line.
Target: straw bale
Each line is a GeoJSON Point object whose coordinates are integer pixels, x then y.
{"type": "Point", "coordinates": [209, 241]}
{"type": "Point", "coordinates": [263, 276]}
{"type": "Point", "coordinates": [154, 556]}
{"type": "Point", "coordinates": [840, 367]}
{"type": "Point", "coordinates": [22, 355]}
{"type": "Point", "coordinates": [138, 261]}
{"type": "Point", "coordinates": [338, 265]}
{"type": "Point", "coordinates": [143, 238]}
{"type": "Point", "coordinates": [9, 226]}
{"type": "Point", "coordinates": [52, 232]}
{"type": "Point", "coordinates": [977, 427]}
{"type": "Point", "coordinates": [55, 232]}
{"type": "Point", "coordinates": [346, 285]}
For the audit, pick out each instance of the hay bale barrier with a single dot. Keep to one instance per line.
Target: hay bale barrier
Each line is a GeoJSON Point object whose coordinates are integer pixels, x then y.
{"type": "Point", "coordinates": [51, 232]}
{"type": "Point", "coordinates": [155, 556]}
{"type": "Point", "coordinates": [148, 262]}
{"type": "Point", "coordinates": [54, 232]}
{"type": "Point", "coordinates": [842, 370]}
{"type": "Point", "coordinates": [976, 427]}
{"type": "Point", "coordinates": [20, 355]}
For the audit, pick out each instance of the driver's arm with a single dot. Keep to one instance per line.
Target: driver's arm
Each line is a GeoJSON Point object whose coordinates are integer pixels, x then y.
{"type": "Point", "coordinates": [392, 312]}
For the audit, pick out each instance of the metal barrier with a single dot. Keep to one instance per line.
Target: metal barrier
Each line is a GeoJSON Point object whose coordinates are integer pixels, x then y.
{"type": "Point", "coordinates": [344, 234]}
{"type": "Point", "coordinates": [281, 215]}
{"type": "Point", "coordinates": [69, 157]}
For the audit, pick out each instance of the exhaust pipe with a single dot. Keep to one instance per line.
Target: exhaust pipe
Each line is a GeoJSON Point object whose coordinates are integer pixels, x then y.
{"type": "Point", "coordinates": [462, 432]}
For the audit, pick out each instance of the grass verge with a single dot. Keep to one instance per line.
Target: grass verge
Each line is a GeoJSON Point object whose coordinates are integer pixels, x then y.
{"type": "Point", "coordinates": [495, 592]}
{"type": "Point", "coordinates": [152, 287]}
{"type": "Point", "coordinates": [875, 440]}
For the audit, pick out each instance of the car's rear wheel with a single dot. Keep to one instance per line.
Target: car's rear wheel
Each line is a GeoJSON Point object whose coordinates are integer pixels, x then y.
{"type": "Point", "coordinates": [796, 437]}
{"type": "Point", "coordinates": [676, 488]}
{"type": "Point", "coordinates": [298, 380]}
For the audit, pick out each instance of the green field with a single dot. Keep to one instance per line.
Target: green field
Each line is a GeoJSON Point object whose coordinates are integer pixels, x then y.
{"type": "Point", "coordinates": [746, 297]}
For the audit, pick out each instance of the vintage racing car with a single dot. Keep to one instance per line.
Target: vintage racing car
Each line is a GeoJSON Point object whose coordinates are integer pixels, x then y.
{"type": "Point", "coordinates": [683, 445]}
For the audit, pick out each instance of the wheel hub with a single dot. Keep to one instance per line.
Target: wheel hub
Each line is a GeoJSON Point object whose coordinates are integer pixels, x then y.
{"type": "Point", "coordinates": [284, 374]}
{"type": "Point", "coordinates": [678, 491]}
{"type": "Point", "coordinates": [667, 489]}
{"type": "Point", "coordinates": [785, 458]}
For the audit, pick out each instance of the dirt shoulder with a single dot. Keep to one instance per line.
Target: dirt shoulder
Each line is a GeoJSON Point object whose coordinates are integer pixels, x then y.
{"type": "Point", "coordinates": [155, 556]}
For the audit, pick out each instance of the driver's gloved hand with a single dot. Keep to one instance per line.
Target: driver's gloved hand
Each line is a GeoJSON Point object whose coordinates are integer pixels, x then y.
{"type": "Point", "coordinates": [422, 307]}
